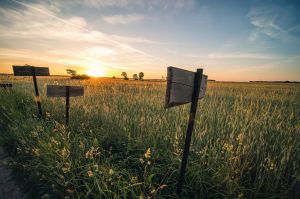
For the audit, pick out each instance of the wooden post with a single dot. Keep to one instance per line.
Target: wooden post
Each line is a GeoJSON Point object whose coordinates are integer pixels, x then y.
{"type": "Point", "coordinates": [193, 110]}
{"type": "Point", "coordinates": [37, 95]}
{"type": "Point", "coordinates": [67, 104]}
{"type": "Point", "coordinates": [67, 92]}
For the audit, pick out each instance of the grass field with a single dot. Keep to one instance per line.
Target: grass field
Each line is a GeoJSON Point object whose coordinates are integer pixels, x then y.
{"type": "Point", "coordinates": [122, 143]}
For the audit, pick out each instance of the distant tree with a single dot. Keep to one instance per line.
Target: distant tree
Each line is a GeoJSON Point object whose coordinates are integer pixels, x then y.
{"type": "Point", "coordinates": [113, 77]}
{"type": "Point", "coordinates": [135, 77]}
{"type": "Point", "coordinates": [124, 74]}
{"type": "Point", "coordinates": [74, 75]}
{"type": "Point", "coordinates": [141, 76]}
{"type": "Point", "coordinates": [71, 72]}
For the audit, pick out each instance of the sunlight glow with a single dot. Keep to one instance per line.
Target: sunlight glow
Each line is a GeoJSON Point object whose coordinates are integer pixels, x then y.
{"type": "Point", "coordinates": [95, 72]}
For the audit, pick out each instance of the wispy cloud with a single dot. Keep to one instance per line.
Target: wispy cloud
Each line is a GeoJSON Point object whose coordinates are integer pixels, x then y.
{"type": "Point", "coordinates": [123, 19]}
{"type": "Point", "coordinates": [274, 21]}
{"type": "Point", "coordinates": [40, 34]}
{"type": "Point", "coordinates": [238, 56]}
{"type": "Point", "coordinates": [145, 4]}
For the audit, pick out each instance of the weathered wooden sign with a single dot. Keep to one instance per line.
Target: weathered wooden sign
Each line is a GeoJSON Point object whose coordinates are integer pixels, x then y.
{"type": "Point", "coordinates": [6, 85]}
{"type": "Point", "coordinates": [180, 87]}
{"type": "Point", "coordinates": [33, 71]}
{"type": "Point", "coordinates": [61, 91]}
{"type": "Point", "coordinates": [29, 70]}
{"type": "Point", "coordinates": [67, 92]}
{"type": "Point", "coordinates": [183, 87]}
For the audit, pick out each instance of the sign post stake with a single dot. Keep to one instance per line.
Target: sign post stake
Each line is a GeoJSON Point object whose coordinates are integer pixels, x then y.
{"type": "Point", "coordinates": [37, 95]}
{"type": "Point", "coordinates": [193, 110]}
{"type": "Point", "coordinates": [67, 92]}
{"type": "Point", "coordinates": [67, 104]}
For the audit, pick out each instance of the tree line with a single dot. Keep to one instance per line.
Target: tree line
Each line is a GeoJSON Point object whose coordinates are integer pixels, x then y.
{"type": "Point", "coordinates": [139, 76]}
{"type": "Point", "coordinates": [75, 75]}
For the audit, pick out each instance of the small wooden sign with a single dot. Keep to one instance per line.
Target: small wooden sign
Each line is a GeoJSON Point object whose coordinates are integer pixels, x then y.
{"type": "Point", "coordinates": [183, 87]}
{"type": "Point", "coordinates": [27, 71]}
{"type": "Point", "coordinates": [6, 85]}
{"type": "Point", "coordinates": [180, 86]}
{"type": "Point", "coordinates": [33, 71]}
{"type": "Point", "coordinates": [67, 92]}
{"type": "Point", "coordinates": [60, 91]}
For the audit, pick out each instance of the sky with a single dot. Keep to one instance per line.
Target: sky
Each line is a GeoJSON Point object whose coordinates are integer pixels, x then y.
{"type": "Point", "coordinates": [232, 40]}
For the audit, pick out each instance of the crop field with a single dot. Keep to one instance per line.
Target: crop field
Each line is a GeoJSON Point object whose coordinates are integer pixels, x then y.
{"type": "Point", "coordinates": [122, 143]}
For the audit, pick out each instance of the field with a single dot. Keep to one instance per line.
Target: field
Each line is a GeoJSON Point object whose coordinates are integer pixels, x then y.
{"type": "Point", "coordinates": [122, 143]}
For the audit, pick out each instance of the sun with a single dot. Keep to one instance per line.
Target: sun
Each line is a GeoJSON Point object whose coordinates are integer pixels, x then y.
{"type": "Point", "coordinates": [95, 72]}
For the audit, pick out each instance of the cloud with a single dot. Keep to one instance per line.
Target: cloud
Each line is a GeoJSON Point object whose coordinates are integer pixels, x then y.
{"type": "Point", "coordinates": [123, 19]}
{"type": "Point", "coordinates": [145, 4]}
{"type": "Point", "coordinates": [238, 56]}
{"type": "Point", "coordinates": [41, 35]}
{"type": "Point", "coordinates": [274, 21]}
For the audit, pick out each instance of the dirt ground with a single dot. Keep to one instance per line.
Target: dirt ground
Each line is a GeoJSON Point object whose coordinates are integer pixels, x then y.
{"type": "Point", "coordinates": [8, 188]}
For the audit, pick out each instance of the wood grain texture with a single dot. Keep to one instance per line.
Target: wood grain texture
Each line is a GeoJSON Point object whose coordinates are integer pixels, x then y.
{"type": "Point", "coordinates": [180, 86]}
{"type": "Point", "coordinates": [181, 76]}
{"type": "Point", "coordinates": [27, 71]}
{"type": "Point", "coordinates": [60, 91]}
{"type": "Point", "coordinates": [203, 86]}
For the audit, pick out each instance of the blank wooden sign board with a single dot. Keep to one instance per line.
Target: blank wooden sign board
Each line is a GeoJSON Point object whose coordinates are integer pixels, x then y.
{"type": "Point", "coordinates": [33, 71]}
{"type": "Point", "coordinates": [29, 70]}
{"type": "Point", "coordinates": [67, 92]}
{"type": "Point", "coordinates": [184, 87]}
{"type": "Point", "coordinates": [180, 87]}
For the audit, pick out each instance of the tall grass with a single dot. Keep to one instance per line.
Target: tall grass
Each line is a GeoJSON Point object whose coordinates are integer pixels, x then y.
{"type": "Point", "coordinates": [122, 143]}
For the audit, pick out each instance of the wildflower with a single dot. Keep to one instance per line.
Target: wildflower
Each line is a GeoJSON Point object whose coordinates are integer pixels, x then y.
{"type": "Point", "coordinates": [270, 164]}
{"type": "Point", "coordinates": [134, 179]}
{"type": "Point", "coordinates": [148, 153]}
{"type": "Point", "coordinates": [240, 196]}
{"type": "Point", "coordinates": [142, 161]}
{"type": "Point", "coordinates": [91, 153]}
{"type": "Point", "coordinates": [65, 152]}
{"type": "Point", "coordinates": [48, 114]}
{"type": "Point", "coordinates": [34, 134]}
{"type": "Point", "coordinates": [149, 162]}
{"type": "Point", "coordinates": [90, 173]}
{"type": "Point", "coordinates": [35, 152]}
{"type": "Point", "coordinates": [66, 167]}
{"type": "Point", "coordinates": [110, 172]}
{"type": "Point", "coordinates": [53, 141]}
{"type": "Point", "coordinates": [228, 147]}
{"type": "Point", "coordinates": [240, 137]}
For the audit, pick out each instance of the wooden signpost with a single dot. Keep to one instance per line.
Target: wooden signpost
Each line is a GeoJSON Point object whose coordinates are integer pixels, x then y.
{"type": "Point", "coordinates": [6, 85]}
{"type": "Point", "coordinates": [33, 71]}
{"type": "Point", "coordinates": [67, 92]}
{"type": "Point", "coordinates": [184, 87]}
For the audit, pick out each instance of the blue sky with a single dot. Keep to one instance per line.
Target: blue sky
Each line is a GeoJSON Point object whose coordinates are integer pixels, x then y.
{"type": "Point", "coordinates": [231, 39]}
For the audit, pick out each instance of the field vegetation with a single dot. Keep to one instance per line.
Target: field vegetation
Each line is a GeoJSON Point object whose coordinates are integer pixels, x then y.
{"type": "Point", "coordinates": [122, 143]}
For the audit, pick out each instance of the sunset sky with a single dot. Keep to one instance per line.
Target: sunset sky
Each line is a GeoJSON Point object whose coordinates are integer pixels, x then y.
{"type": "Point", "coordinates": [233, 40]}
